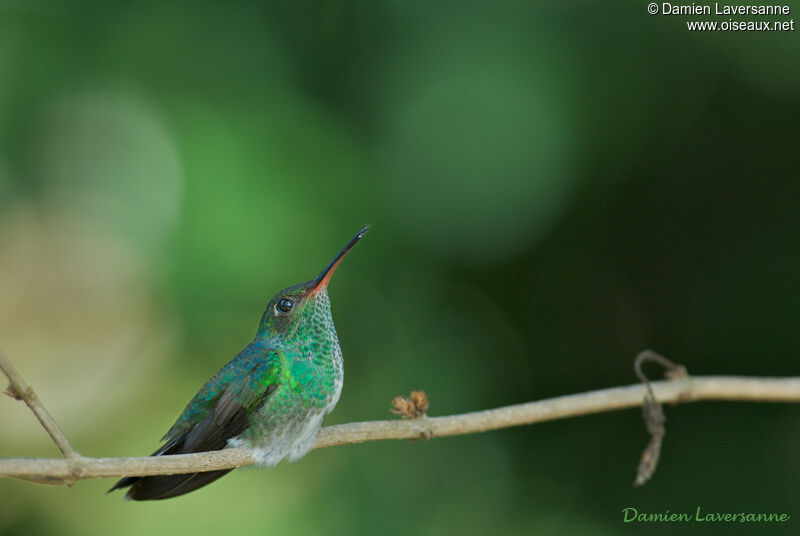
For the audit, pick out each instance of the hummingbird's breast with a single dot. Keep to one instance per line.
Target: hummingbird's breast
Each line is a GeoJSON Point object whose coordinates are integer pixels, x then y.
{"type": "Point", "coordinates": [310, 384]}
{"type": "Point", "coordinates": [289, 420]}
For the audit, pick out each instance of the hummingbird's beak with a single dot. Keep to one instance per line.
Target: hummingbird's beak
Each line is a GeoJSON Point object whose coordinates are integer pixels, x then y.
{"type": "Point", "coordinates": [322, 280]}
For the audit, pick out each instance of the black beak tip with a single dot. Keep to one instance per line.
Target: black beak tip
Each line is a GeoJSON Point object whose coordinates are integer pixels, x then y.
{"type": "Point", "coordinates": [328, 271]}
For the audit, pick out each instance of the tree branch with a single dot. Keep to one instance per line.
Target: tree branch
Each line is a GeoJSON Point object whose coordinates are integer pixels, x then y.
{"type": "Point", "coordinates": [685, 389]}
{"type": "Point", "coordinates": [18, 389]}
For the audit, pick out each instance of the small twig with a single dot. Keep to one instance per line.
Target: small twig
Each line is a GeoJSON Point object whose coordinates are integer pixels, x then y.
{"type": "Point", "coordinates": [18, 389]}
{"type": "Point", "coordinates": [653, 413]}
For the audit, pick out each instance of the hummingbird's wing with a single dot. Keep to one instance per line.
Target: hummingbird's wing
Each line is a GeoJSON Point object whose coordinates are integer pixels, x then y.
{"type": "Point", "coordinates": [220, 411]}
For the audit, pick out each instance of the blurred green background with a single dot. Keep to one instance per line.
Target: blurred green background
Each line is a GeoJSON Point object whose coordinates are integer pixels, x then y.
{"type": "Point", "coordinates": [551, 189]}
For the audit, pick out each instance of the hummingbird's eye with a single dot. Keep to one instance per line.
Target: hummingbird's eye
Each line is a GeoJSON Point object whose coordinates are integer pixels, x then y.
{"type": "Point", "coordinates": [285, 305]}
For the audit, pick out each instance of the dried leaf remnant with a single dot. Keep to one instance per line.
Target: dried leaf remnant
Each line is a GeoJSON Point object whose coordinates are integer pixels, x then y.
{"type": "Point", "coordinates": [411, 407]}
{"type": "Point", "coordinates": [653, 413]}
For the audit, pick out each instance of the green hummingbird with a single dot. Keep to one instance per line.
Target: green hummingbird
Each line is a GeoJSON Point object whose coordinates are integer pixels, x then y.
{"type": "Point", "coordinates": [270, 398]}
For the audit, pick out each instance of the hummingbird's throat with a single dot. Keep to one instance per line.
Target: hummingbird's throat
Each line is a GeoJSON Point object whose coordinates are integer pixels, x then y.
{"type": "Point", "coordinates": [314, 334]}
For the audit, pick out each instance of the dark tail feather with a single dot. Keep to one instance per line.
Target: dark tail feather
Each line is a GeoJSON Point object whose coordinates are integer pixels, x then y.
{"type": "Point", "coordinates": [211, 433]}
{"type": "Point", "coordinates": [147, 488]}
{"type": "Point", "coordinates": [123, 483]}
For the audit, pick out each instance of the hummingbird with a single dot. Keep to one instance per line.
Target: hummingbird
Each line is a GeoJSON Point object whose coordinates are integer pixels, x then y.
{"type": "Point", "coordinates": [270, 398]}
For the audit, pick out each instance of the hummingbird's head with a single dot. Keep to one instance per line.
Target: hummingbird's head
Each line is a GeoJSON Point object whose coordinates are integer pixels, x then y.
{"type": "Point", "coordinates": [305, 305]}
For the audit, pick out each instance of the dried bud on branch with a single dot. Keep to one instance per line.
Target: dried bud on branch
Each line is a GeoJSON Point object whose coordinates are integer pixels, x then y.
{"type": "Point", "coordinates": [411, 407]}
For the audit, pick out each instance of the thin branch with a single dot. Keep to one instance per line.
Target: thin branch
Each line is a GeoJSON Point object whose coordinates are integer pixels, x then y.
{"type": "Point", "coordinates": [653, 413]}
{"type": "Point", "coordinates": [688, 389]}
{"type": "Point", "coordinates": [18, 389]}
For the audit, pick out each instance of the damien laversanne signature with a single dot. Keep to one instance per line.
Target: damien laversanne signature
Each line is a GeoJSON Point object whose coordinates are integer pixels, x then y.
{"type": "Point", "coordinates": [630, 514]}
